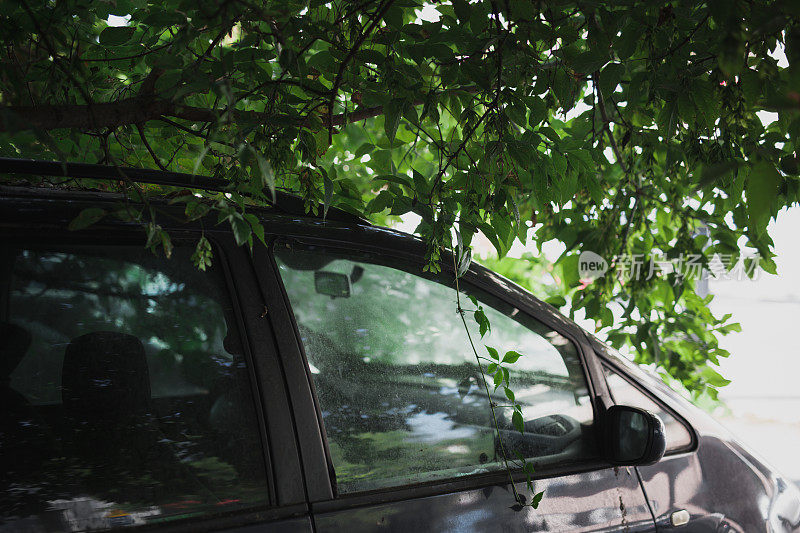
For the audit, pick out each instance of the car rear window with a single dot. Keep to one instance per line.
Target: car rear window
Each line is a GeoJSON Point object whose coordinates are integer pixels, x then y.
{"type": "Point", "coordinates": [126, 394]}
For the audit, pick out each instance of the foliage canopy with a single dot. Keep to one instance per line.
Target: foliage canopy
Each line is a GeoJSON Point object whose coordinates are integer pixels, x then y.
{"type": "Point", "coordinates": [621, 128]}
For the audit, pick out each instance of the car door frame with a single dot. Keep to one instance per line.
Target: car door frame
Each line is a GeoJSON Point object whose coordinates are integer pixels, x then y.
{"type": "Point", "coordinates": [318, 469]}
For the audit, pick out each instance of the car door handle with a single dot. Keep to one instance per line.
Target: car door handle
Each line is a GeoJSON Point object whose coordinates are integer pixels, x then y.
{"type": "Point", "coordinates": [679, 518]}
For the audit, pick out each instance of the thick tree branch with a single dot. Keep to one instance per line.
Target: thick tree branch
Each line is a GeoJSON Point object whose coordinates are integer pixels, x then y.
{"type": "Point", "coordinates": [139, 110]}
{"type": "Point", "coordinates": [84, 116]}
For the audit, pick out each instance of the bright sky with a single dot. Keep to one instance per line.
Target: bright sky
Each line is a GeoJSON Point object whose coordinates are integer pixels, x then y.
{"type": "Point", "coordinates": [764, 357]}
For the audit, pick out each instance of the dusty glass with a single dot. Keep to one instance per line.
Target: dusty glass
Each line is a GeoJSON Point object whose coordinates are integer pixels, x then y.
{"type": "Point", "coordinates": [399, 388]}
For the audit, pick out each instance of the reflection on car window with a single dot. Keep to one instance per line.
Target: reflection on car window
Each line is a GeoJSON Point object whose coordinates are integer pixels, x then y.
{"type": "Point", "coordinates": [397, 382]}
{"type": "Point", "coordinates": [126, 398]}
{"type": "Point", "coordinates": [678, 437]}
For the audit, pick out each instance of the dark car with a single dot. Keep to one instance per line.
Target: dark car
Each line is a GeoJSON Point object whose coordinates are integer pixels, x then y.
{"type": "Point", "coordinates": [324, 382]}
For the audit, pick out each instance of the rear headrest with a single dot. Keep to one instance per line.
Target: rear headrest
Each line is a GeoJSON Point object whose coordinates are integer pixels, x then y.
{"type": "Point", "coordinates": [14, 343]}
{"type": "Point", "coordinates": [105, 372]}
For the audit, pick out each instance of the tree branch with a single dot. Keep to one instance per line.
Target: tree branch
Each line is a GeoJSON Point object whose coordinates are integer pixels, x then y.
{"type": "Point", "coordinates": [601, 102]}
{"type": "Point", "coordinates": [337, 82]}
{"type": "Point", "coordinates": [149, 148]}
{"type": "Point", "coordinates": [467, 136]}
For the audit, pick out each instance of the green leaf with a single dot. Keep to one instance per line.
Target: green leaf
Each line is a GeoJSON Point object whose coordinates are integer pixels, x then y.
{"type": "Point", "coordinates": [569, 270]}
{"type": "Point", "coordinates": [712, 377]}
{"type": "Point", "coordinates": [241, 229]}
{"type": "Point", "coordinates": [625, 45]}
{"type": "Point", "coordinates": [498, 378]}
{"type": "Point", "coordinates": [524, 10]}
{"type": "Point", "coordinates": [462, 10]}
{"type": "Point", "coordinates": [588, 62]}
{"type": "Point", "coordinates": [421, 185]}
{"type": "Point", "coordinates": [667, 118]}
{"type": "Point", "coordinates": [762, 188]}
{"type": "Point", "coordinates": [711, 173]}
{"type": "Point", "coordinates": [610, 78]}
{"type": "Point", "coordinates": [195, 210]}
{"type": "Point", "coordinates": [384, 200]}
{"type": "Point", "coordinates": [202, 254]}
{"type": "Point", "coordinates": [166, 244]}
{"type": "Point", "coordinates": [509, 394]}
{"type": "Point", "coordinates": [511, 357]}
{"type": "Point", "coordinates": [483, 322]}
{"type": "Point", "coordinates": [394, 17]}
{"type": "Point", "coordinates": [397, 178]}
{"type": "Point", "coordinates": [518, 422]}
{"type": "Point", "coordinates": [267, 174]}
{"type": "Point", "coordinates": [323, 61]}
{"type": "Point", "coordinates": [536, 500]}
{"type": "Point", "coordinates": [556, 301]}
{"type": "Point", "coordinates": [371, 56]}
{"type": "Point", "coordinates": [538, 111]}
{"type": "Point", "coordinates": [116, 35]}
{"type": "Point", "coordinates": [256, 226]}
{"type": "Point", "coordinates": [493, 353]}
{"type": "Point", "coordinates": [153, 235]}
{"type": "Point", "coordinates": [392, 112]}
{"type": "Point", "coordinates": [86, 218]}
{"type": "Point", "coordinates": [364, 149]}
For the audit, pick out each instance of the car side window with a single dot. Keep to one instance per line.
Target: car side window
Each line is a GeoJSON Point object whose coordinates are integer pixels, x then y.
{"type": "Point", "coordinates": [624, 393]}
{"type": "Point", "coordinates": [126, 395]}
{"type": "Point", "coordinates": [398, 385]}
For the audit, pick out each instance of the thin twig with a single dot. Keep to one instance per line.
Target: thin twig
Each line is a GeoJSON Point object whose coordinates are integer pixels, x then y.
{"type": "Point", "coordinates": [149, 148]}
{"type": "Point", "coordinates": [467, 137]}
{"type": "Point", "coordinates": [601, 102]}
{"type": "Point", "coordinates": [485, 384]}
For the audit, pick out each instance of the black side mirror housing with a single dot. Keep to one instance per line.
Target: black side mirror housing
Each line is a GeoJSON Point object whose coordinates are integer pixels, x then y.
{"type": "Point", "coordinates": [633, 436]}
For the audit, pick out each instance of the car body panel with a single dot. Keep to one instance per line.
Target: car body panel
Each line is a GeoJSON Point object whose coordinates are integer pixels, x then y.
{"type": "Point", "coordinates": [608, 499]}
{"type": "Point", "coordinates": [723, 485]}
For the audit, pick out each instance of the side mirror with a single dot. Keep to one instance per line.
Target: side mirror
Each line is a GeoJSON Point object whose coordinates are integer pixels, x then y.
{"type": "Point", "coordinates": [633, 436]}
{"type": "Point", "coordinates": [332, 284]}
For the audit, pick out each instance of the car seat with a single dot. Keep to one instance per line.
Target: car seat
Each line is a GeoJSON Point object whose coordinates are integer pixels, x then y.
{"type": "Point", "coordinates": [111, 432]}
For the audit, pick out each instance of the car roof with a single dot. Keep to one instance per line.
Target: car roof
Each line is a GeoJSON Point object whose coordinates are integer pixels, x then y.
{"type": "Point", "coordinates": [285, 202]}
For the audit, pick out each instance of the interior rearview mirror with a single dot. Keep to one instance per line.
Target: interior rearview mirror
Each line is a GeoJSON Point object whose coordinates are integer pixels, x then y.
{"type": "Point", "coordinates": [332, 284]}
{"type": "Point", "coordinates": [633, 436]}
